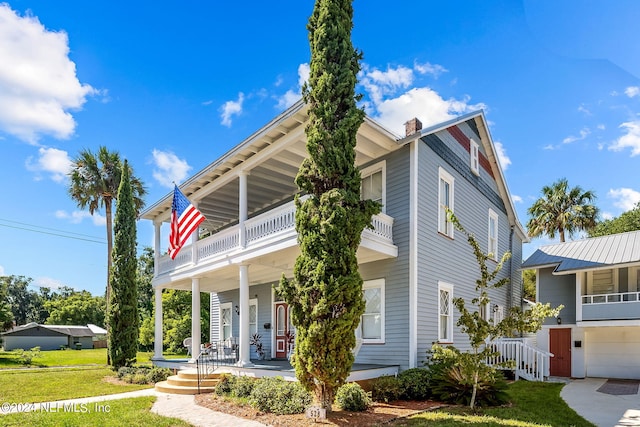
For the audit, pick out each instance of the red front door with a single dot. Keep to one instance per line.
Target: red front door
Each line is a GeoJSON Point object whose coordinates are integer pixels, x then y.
{"type": "Point", "coordinates": [282, 327]}
{"type": "Point", "coordinates": [560, 346]}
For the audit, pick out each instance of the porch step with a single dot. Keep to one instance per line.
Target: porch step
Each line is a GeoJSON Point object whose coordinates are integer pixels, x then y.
{"type": "Point", "coordinates": [186, 382]}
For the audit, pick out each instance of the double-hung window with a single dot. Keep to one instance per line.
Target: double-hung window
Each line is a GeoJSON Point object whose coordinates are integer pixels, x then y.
{"type": "Point", "coordinates": [474, 154]}
{"type": "Point", "coordinates": [492, 249]}
{"type": "Point", "coordinates": [445, 312]}
{"type": "Point", "coordinates": [372, 322]}
{"type": "Point", "coordinates": [445, 202]}
{"type": "Point", "coordinates": [372, 186]}
{"type": "Point", "coordinates": [225, 320]}
{"type": "Point", "coordinates": [253, 316]}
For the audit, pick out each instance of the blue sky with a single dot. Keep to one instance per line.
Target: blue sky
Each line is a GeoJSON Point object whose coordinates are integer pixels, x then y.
{"type": "Point", "coordinates": [172, 87]}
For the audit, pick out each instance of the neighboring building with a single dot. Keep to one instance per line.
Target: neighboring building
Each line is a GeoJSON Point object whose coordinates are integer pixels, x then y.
{"type": "Point", "coordinates": [47, 337]}
{"type": "Point", "coordinates": [412, 261]}
{"type": "Point", "coordinates": [597, 333]}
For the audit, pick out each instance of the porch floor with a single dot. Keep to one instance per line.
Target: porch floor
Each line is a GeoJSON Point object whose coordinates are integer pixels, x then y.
{"type": "Point", "coordinates": [281, 367]}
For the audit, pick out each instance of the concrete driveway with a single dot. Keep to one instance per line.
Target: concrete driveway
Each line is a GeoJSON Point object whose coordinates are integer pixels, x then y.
{"type": "Point", "coordinates": [602, 408]}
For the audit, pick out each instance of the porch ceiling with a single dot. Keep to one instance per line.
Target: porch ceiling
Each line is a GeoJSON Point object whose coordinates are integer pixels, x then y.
{"type": "Point", "coordinates": [271, 157]}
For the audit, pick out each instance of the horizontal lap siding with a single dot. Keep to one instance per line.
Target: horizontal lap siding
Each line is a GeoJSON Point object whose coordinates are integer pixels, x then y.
{"type": "Point", "coordinates": [441, 258]}
{"type": "Point", "coordinates": [558, 289]}
{"type": "Point", "coordinates": [395, 271]}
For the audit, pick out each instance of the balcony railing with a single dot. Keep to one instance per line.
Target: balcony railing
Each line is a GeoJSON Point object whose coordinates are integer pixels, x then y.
{"type": "Point", "coordinates": [613, 306]}
{"type": "Point", "coordinates": [278, 223]}
{"type": "Point", "coordinates": [611, 298]}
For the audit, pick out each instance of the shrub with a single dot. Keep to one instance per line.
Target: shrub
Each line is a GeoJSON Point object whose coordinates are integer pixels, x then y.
{"type": "Point", "coordinates": [453, 386]}
{"type": "Point", "coordinates": [415, 384]}
{"type": "Point", "coordinates": [155, 375]}
{"type": "Point", "coordinates": [225, 385]}
{"type": "Point", "coordinates": [242, 386]}
{"type": "Point", "coordinates": [124, 371]}
{"type": "Point", "coordinates": [27, 356]}
{"type": "Point", "coordinates": [139, 378]}
{"type": "Point", "coordinates": [275, 395]}
{"type": "Point", "coordinates": [351, 397]}
{"type": "Point", "coordinates": [386, 389]}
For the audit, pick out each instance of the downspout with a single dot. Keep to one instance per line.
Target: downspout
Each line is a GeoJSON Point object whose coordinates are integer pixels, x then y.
{"type": "Point", "coordinates": [510, 286]}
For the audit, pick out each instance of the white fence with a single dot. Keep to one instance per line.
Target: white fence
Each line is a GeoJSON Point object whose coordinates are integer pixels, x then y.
{"type": "Point", "coordinates": [526, 361]}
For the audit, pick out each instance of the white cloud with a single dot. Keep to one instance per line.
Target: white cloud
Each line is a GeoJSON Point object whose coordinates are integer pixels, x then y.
{"type": "Point", "coordinates": [516, 199]}
{"type": "Point", "coordinates": [423, 103]}
{"type": "Point", "coordinates": [292, 96]}
{"type": "Point", "coordinates": [432, 69]}
{"type": "Point", "coordinates": [630, 140]}
{"type": "Point", "coordinates": [632, 91]}
{"type": "Point", "coordinates": [584, 110]}
{"type": "Point", "coordinates": [607, 215]}
{"type": "Point", "coordinates": [52, 161]}
{"type": "Point", "coordinates": [48, 282]}
{"type": "Point", "coordinates": [77, 217]}
{"type": "Point", "coordinates": [230, 109]}
{"type": "Point", "coordinates": [169, 168]}
{"type": "Point", "coordinates": [601, 126]}
{"type": "Point", "coordinates": [625, 198]}
{"type": "Point", "coordinates": [378, 83]}
{"type": "Point", "coordinates": [501, 152]}
{"type": "Point", "coordinates": [38, 81]}
{"type": "Point", "coordinates": [2, 271]}
{"type": "Point", "coordinates": [584, 132]}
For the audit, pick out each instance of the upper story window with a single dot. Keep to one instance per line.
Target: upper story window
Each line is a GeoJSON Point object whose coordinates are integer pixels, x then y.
{"type": "Point", "coordinates": [492, 248]}
{"type": "Point", "coordinates": [445, 201]}
{"type": "Point", "coordinates": [602, 281]}
{"type": "Point", "coordinates": [373, 186]}
{"type": "Point", "coordinates": [474, 154]}
{"type": "Point", "coordinates": [445, 312]}
{"type": "Point", "coordinates": [372, 322]}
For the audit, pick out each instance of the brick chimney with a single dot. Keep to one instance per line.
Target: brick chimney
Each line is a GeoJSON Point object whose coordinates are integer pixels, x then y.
{"type": "Point", "coordinates": [412, 126]}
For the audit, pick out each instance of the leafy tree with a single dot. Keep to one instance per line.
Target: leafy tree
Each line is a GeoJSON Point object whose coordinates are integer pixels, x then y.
{"type": "Point", "coordinates": [176, 321]}
{"type": "Point", "coordinates": [471, 368]}
{"type": "Point", "coordinates": [529, 284]}
{"type": "Point", "coordinates": [325, 295]}
{"type": "Point", "coordinates": [95, 179]}
{"type": "Point", "coordinates": [628, 221]}
{"type": "Point", "coordinates": [562, 210]}
{"type": "Point", "coordinates": [25, 304]}
{"type": "Point", "coordinates": [145, 289]}
{"type": "Point", "coordinates": [122, 312]}
{"type": "Point", "coordinates": [75, 308]}
{"type": "Point", "coordinates": [6, 316]}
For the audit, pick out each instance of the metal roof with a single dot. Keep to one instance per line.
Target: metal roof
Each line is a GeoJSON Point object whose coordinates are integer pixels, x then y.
{"type": "Point", "coordinates": [74, 331]}
{"type": "Point", "coordinates": [588, 254]}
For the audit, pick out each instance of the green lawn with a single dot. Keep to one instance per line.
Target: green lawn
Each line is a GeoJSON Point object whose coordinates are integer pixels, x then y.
{"type": "Point", "coordinates": [43, 385]}
{"type": "Point", "coordinates": [96, 356]}
{"type": "Point", "coordinates": [114, 413]}
{"type": "Point", "coordinates": [532, 404]}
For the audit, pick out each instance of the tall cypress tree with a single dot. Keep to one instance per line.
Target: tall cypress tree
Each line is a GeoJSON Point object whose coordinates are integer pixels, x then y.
{"type": "Point", "coordinates": [123, 309]}
{"type": "Point", "coordinates": [325, 295]}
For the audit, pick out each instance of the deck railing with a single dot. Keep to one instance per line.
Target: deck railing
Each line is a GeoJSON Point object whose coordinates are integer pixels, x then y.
{"type": "Point", "coordinates": [611, 298]}
{"type": "Point", "coordinates": [273, 224]}
{"type": "Point", "coordinates": [525, 360]}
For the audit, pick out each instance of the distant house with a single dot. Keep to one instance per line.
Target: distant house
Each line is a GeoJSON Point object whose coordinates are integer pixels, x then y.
{"type": "Point", "coordinates": [48, 337]}
{"type": "Point", "coordinates": [598, 281]}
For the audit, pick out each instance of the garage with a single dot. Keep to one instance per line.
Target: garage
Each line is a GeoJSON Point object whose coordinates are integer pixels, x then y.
{"type": "Point", "coordinates": [613, 352]}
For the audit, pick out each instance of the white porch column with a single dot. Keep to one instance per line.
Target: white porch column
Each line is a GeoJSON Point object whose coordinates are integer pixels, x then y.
{"type": "Point", "coordinates": [194, 240]}
{"type": "Point", "coordinates": [242, 209]}
{"type": "Point", "coordinates": [156, 248]}
{"type": "Point", "coordinates": [579, 277]}
{"type": "Point", "coordinates": [245, 354]}
{"type": "Point", "coordinates": [157, 345]}
{"type": "Point", "coordinates": [195, 318]}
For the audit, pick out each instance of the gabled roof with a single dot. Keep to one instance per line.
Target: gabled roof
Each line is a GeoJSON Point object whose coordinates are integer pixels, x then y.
{"type": "Point", "coordinates": [74, 331]}
{"type": "Point", "coordinates": [587, 254]}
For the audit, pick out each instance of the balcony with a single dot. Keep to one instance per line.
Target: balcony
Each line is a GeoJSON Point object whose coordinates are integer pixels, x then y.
{"type": "Point", "coordinates": [611, 306]}
{"type": "Point", "coordinates": [269, 232]}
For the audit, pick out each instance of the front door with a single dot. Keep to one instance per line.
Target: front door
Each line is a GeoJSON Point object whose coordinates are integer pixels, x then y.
{"type": "Point", "coordinates": [282, 327]}
{"type": "Point", "coordinates": [560, 346]}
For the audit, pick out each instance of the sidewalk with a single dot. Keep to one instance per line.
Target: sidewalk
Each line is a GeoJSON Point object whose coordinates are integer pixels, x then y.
{"type": "Point", "coordinates": [183, 407]}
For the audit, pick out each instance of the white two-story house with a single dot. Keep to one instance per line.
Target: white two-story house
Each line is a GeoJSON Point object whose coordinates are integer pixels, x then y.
{"type": "Point", "coordinates": [412, 261]}
{"type": "Point", "coordinates": [598, 281]}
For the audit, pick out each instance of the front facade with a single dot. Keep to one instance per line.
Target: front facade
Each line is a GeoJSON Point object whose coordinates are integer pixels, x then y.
{"type": "Point", "coordinates": [412, 261]}
{"type": "Point", "coordinates": [597, 333]}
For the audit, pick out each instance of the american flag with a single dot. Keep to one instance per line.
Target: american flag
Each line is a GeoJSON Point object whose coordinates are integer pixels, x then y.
{"type": "Point", "coordinates": [185, 219]}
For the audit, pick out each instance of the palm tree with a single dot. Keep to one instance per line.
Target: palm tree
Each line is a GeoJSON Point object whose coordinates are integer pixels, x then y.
{"type": "Point", "coordinates": [95, 179]}
{"type": "Point", "coordinates": [562, 210]}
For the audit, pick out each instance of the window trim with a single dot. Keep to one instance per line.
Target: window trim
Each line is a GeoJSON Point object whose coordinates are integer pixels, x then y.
{"type": "Point", "coordinates": [492, 216]}
{"type": "Point", "coordinates": [225, 306]}
{"type": "Point", "coordinates": [370, 170]}
{"type": "Point", "coordinates": [372, 284]}
{"type": "Point", "coordinates": [474, 156]}
{"type": "Point", "coordinates": [443, 175]}
{"type": "Point", "coordinates": [442, 286]}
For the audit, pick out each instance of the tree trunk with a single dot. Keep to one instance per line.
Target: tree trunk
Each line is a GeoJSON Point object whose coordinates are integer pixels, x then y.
{"type": "Point", "coordinates": [107, 208]}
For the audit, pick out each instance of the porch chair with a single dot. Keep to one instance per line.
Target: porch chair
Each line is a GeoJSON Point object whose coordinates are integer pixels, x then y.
{"type": "Point", "coordinates": [187, 344]}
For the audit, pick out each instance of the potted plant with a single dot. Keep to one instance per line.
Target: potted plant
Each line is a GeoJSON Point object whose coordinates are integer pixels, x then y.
{"type": "Point", "coordinates": [255, 341]}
